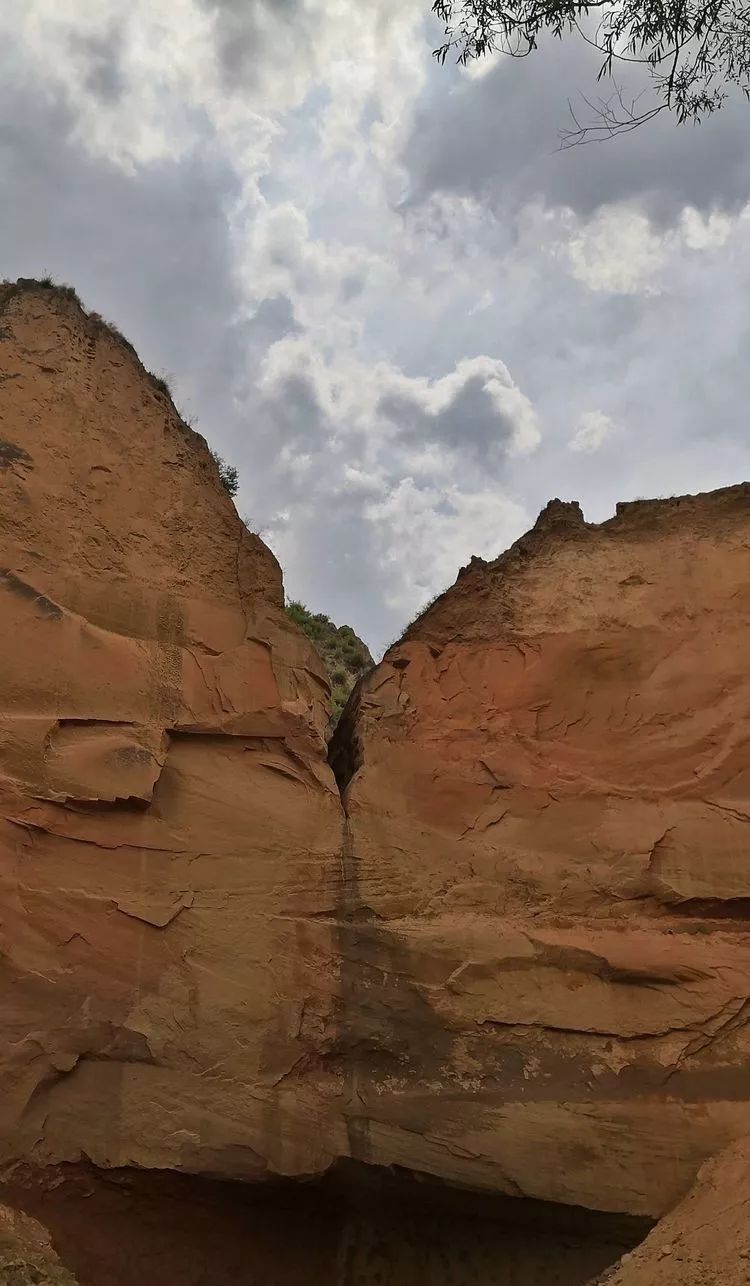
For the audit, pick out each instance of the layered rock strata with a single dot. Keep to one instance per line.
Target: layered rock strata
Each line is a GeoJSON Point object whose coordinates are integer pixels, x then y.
{"type": "Point", "coordinates": [168, 823]}
{"type": "Point", "coordinates": [546, 962]}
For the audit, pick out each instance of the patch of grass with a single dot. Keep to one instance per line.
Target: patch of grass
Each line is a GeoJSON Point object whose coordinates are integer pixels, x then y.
{"type": "Point", "coordinates": [69, 292]}
{"type": "Point", "coordinates": [422, 611]}
{"type": "Point", "coordinates": [101, 323]}
{"type": "Point", "coordinates": [10, 289]}
{"type": "Point", "coordinates": [60, 288]}
{"type": "Point", "coordinates": [160, 384]}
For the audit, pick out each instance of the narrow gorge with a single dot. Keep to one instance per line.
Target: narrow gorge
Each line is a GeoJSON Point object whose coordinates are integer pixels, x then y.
{"type": "Point", "coordinates": [461, 998]}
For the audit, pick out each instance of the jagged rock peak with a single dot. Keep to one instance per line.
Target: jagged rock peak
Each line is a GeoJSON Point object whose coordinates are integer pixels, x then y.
{"type": "Point", "coordinates": [483, 596]}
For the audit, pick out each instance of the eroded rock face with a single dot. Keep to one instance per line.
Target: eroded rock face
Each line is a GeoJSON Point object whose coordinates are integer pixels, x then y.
{"type": "Point", "coordinates": [26, 1254]}
{"type": "Point", "coordinates": [547, 965]}
{"type": "Point", "coordinates": [705, 1240]}
{"type": "Point", "coordinates": [169, 828]}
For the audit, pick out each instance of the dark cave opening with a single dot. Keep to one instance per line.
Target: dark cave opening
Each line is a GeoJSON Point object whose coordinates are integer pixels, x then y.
{"type": "Point", "coordinates": [356, 1227]}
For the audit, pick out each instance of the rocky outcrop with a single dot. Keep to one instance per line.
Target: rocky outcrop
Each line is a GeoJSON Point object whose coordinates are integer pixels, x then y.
{"type": "Point", "coordinates": [546, 959]}
{"type": "Point", "coordinates": [169, 827]}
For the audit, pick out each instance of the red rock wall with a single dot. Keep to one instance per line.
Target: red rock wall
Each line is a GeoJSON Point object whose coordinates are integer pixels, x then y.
{"type": "Point", "coordinates": [547, 955]}
{"type": "Point", "coordinates": [169, 828]}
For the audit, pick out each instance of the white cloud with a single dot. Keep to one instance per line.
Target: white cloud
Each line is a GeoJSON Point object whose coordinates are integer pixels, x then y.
{"type": "Point", "coordinates": [425, 534]}
{"type": "Point", "coordinates": [382, 404]}
{"type": "Point", "coordinates": [592, 432]}
{"type": "Point", "coordinates": [618, 252]}
{"type": "Point", "coordinates": [478, 68]}
{"type": "Point", "coordinates": [278, 256]}
{"type": "Point", "coordinates": [706, 232]}
{"type": "Point", "coordinates": [171, 59]}
{"type": "Point", "coordinates": [421, 462]}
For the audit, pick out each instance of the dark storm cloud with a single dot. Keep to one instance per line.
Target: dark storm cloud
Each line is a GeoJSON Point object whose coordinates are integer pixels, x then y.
{"type": "Point", "coordinates": [294, 414]}
{"type": "Point", "coordinates": [100, 57]}
{"type": "Point", "coordinates": [150, 251]}
{"type": "Point", "coordinates": [497, 139]}
{"type": "Point", "coordinates": [272, 319]}
{"type": "Point", "coordinates": [245, 37]}
{"type": "Point", "coordinates": [470, 421]}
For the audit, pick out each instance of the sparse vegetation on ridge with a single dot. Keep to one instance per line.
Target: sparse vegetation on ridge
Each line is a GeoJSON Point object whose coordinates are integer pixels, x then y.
{"type": "Point", "coordinates": [228, 475]}
{"type": "Point", "coordinates": [425, 608]}
{"type": "Point", "coordinates": [342, 652]}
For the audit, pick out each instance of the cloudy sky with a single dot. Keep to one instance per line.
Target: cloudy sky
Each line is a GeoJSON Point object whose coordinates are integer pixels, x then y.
{"type": "Point", "coordinates": [378, 287]}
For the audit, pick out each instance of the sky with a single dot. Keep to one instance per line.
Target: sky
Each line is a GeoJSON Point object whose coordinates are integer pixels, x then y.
{"type": "Point", "coordinates": [378, 286]}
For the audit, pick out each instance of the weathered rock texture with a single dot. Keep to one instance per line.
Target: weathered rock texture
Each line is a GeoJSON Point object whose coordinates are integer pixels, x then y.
{"type": "Point", "coordinates": [547, 970]}
{"type": "Point", "coordinates": [26, 1254]}
{"type": "Point", "coordinates": [705, 1240]}
{"type": "Point", "coordinates": [169, 827]}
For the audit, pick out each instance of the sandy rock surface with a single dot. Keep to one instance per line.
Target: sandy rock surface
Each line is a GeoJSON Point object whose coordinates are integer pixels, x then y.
{"type": "Point", "coordinates": [548, 790]}
{"type": "Point", "coordinates": [168, 823]}
{"type": "Point", "coordinates": [705, 1240]}
{"type": "Point", "coordinates": [26, 1254]}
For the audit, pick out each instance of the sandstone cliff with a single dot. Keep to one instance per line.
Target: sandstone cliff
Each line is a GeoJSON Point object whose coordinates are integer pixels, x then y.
{"type": "Point", "coordinates": [548, 790]}
{"type": "Point", "coordinates": [168, 823]}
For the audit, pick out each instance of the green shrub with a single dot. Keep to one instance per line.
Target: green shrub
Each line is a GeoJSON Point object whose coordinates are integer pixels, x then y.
{"type": "Point", "coordinates": [343, 654]}
{"type": "Point", "coordinates": [160, 384]}
{"type": "Point", "coordinates": [228, 475]}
